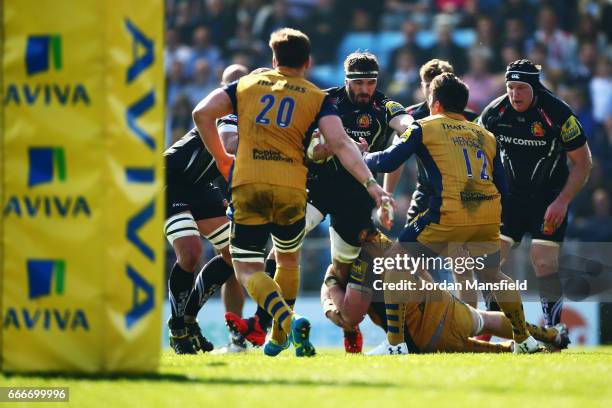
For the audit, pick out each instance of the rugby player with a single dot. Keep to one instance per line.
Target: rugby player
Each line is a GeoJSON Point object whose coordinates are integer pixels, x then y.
{"type": "Point", "coordinates": [196, 206]}
{"type": "Point", "coordinates": [268, 177]}
{"type": "Point", "coordinates": [424, 189]}
{"type": "Point", "coordinates": [435, 321]}
{"type": "Point", "coordinates": [465, 170]}
{"type": "Point", "coordinates": [370, 119]}
{"type": "Point", "coordinates": [537, 132]}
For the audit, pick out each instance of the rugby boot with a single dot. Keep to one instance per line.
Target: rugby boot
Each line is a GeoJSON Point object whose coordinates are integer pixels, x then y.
{"type": "Point", "coordinates": [197, 338]}
{"type": "Point", "coordinates": [353, 341]}
{"type": "Point", "coordinates": [386, 349]}
{"type": "Point", "coordinates": [179, 337]}
{"type": "Point", "coordinates": [300, 336]}
{"type": "Point", "coordinates": [249, 328]}
{"type": "Point", "coordinates": [527, 346]}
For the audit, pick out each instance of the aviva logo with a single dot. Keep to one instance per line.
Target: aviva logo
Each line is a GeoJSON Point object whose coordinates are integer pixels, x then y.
{"type": "Point", "coordinates": [47, 165]}
{"type": "Point", "coordinates": [44, 53]}
{"type": "Point", "coordinates": [45, 276]}
{"type": "Point", "coordinates": [41, 51]}
{"type": "Point", "coordinates": [46, 281]}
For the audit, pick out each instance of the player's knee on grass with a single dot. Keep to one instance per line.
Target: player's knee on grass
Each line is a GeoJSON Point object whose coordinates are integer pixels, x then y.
{"type": "Point", "coordinates": [188, 250]}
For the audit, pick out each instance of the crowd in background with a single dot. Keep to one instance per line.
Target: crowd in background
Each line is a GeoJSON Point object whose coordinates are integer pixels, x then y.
{"type": "Point", "coordinates": [570, 39]}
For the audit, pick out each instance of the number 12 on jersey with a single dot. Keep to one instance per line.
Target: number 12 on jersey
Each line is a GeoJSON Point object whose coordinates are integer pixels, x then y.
{"type": "Point", "coordinates": [480, 155]}
{"type": "Point", "coordinates": [283, 115]}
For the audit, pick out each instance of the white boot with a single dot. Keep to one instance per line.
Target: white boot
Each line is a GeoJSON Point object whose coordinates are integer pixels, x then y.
{"type": "Point", "coordinates": [386, 349]}
{"type": "Point", "coordinates": [528, 346]}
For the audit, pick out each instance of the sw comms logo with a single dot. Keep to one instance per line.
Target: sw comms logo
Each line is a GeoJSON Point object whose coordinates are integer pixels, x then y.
{"type": "Point", "coordinates": [46, 282]}
{"type": "Point", "coordinates": [41, 50]}
{"type": "Point", "coordinates": [45, 53]}
{"type": "Point", "coordinates": [46, 167]}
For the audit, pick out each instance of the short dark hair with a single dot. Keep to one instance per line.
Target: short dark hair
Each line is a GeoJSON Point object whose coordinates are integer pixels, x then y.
{"type": "Point", "coordinates": [450, 91]}
{"type": "Point", "coordinates": [291, 47]}
{"type": "Point", "coordinates": [433, 68]}
{"type": "Point", "coordinates": [360, 61]}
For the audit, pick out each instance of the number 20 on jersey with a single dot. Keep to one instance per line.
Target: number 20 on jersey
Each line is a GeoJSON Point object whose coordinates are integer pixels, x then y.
{"type": "Point", "coordinates": [283, 114]}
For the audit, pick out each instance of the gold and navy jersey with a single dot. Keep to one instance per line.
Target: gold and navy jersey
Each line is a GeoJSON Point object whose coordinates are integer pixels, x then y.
{"type": "Point", "coordinates": [423, 189]}
{"type": "Point", "coordinates": [275, 111]}
{"type": "Point", "coordinates": [462, 164]}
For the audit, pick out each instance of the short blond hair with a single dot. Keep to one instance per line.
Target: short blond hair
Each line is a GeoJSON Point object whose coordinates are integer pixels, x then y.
{"type": "Point", "coordinates": [291, 47]}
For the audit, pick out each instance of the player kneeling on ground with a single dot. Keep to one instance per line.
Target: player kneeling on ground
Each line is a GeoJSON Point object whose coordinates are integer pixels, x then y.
{"type": "Point", "coordinates": [435, 320]}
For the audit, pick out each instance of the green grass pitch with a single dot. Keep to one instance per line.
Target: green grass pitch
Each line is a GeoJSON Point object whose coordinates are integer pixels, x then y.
{"type": "Point", "coordinates": [578, 377]}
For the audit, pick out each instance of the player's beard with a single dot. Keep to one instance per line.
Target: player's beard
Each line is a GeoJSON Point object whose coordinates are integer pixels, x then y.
{"type": "Point", "coordinates": [353, 97]}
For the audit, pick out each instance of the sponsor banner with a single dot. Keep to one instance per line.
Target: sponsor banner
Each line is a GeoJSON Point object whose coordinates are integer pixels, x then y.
{"type": "Point", "coordinates": [134, 177]}
{"type": "Point", "coordinates": [72, 214]}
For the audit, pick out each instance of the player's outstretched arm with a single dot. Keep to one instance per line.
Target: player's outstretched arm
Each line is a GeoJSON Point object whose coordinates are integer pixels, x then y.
{"type": "Point", "coordinates": [350, 157]}
{"type": "Point", "coordinates": [217, 104]}
{"type": "Point", "coordinates": [390, 159]}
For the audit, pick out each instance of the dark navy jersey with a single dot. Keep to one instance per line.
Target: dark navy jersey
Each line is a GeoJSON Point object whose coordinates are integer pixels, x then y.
{"type": "Point", "coordinates": [534, 143]}
{"type": "Point", "coordinates": [189, 159]}
{"type": "Point", "coordinates": [370, 122]}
